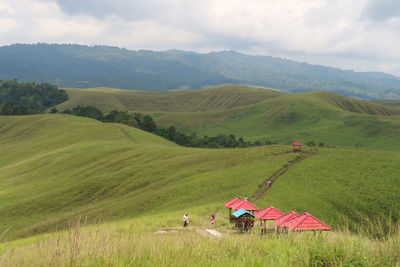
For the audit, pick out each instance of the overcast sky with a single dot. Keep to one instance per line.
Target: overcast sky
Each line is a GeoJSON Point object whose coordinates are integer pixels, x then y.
{"type": "Point", "coordinates": [363, 35]}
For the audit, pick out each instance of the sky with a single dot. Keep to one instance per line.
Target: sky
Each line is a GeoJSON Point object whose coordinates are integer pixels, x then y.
{"type": "Point", "coordinates": [362, 35]}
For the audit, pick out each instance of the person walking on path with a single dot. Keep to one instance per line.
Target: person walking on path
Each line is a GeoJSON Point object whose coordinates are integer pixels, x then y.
{"type": "Point", "coordinates": [212, 221]}
{"type": "Point", "coordinates": [185, 220]}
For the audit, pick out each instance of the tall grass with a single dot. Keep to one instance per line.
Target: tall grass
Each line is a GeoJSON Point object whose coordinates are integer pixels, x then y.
{"type": "Point", "coordinates": [133, 243]}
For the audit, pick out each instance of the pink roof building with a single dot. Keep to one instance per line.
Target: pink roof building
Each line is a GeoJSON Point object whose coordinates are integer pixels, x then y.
{"type": "Point", "coordinates": [280, 222]}
{"type": "Point", "coordinates": [234, 201]}
{"type": "Point", "coordinates": [269, 213]}
{"type": "Point", "coordinates": [306, 222]}
{"type": "Point", "coordinates": [244, 204]}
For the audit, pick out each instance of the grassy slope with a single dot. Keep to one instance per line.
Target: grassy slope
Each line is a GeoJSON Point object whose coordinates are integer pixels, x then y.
{"type": "Point", "coordinates": [258, 114]}
{"type": "Point", "coordinates": [359, 183]}
{"type": "Point", "coordinates": [285, 119]}
{"type": "Point", "coordinates": [210, 99]}
{"type": "Point", "coordinates": [390, 103]}
{"type": "Point", "coordinates": [54, 167]}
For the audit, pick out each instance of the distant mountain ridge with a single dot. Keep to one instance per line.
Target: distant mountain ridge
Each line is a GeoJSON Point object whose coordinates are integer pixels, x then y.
{"type": "Point", "coordinates": [69, 65]}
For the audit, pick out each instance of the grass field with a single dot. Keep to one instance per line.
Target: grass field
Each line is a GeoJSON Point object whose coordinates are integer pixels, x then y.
{"type": "Point", "coordinates": [133, 243]}
{"type": "Point", "coordinates": [258, 114]}
{"type": "Point", "coordinates": [54, 168]}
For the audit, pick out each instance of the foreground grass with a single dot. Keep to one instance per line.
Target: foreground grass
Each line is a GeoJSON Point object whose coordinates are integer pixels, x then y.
{"type": "Point", "coordinates": [133, 243]}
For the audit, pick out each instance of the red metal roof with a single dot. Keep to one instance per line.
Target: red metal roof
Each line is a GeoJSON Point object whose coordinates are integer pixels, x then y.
{"type": "Point", "coordinates": [229, 204]}
{"type": "Point", "coordinates": [297, 143]}
{"type": "Point", "coordinates": [244, 204]}
{"type": "Point", "coordinates": [269, 213]}
{"type": "Point", "coordinates": [307, 222]}
{"type": "Point", "coordinates": [280, 222]}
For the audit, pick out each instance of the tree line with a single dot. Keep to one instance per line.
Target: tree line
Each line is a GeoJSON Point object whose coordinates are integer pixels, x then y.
{"type": "Point", "coordinates": [146, 123]}
{"type": "Point", "coordinates": [19, 98]}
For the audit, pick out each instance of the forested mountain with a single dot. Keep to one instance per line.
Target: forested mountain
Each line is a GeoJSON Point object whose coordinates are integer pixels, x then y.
{"type": "Point", "coordinates": [85, 67]}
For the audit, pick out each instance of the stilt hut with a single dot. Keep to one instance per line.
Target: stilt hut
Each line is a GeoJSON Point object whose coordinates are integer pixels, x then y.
{"type": "Point", "coordinates": [269, 213]}
{"type": "Point", "coordinates": [244, 220]}
{"type": "Point", "coordinates": [307, 222]}
{"type": "Point", "coordinates": [296, 146]}
{"type": "Point", "coordinates": [229, 205]}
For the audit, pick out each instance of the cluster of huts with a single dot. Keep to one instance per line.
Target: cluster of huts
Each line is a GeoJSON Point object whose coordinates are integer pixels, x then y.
{"type": "Point", "coordinates": [245, 213]}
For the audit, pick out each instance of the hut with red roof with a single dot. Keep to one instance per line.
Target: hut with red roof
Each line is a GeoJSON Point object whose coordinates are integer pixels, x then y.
{"type": "Point", "coordinates": [269, 213]}
{"type": "Point", "coordinates": [280, 222]}
{"type": "Point", "coordinates": [296, 146]}
{"type": "Point", "coordinates": [307, 222]}
{"type": "Point", "coordinates": [246, 205]}
{"type": "Point", "coordinates": [229, 205]}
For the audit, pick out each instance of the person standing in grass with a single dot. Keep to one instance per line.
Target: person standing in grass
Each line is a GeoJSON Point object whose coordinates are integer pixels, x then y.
{"type": "Point", "coordinates": [212, 221]}
{"type": "Point", "coordinates": [185, 220]}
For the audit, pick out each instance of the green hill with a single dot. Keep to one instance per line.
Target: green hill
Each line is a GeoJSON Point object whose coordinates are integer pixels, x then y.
{"type": "Point", "coordinates": [54, 168]}
{"type": "Point", "coordinates": [390, 103]}
{"type": "Point", "coordinates": [257, 114]}
{"type": "Point", "coordinates": [210, 99]}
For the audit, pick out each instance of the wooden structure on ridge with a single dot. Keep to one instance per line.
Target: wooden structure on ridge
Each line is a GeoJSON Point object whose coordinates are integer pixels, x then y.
{"type": "Point", "coordinates": [296, 146]}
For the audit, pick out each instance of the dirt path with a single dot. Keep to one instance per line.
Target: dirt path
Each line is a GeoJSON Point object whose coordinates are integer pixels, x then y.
{"type": "Point", "coordinates": [262, 191]}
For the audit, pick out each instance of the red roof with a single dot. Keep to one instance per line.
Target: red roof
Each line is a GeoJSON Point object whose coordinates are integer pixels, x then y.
{"type": "Point", "coordinates": [244, 204]}
{"type": "Point", "coordinates": [229, 204]}
{"type": "Point", "coordinates": [269, 213]}
{"type": "Point", "coordinates": [297, 143]}
{"type": "Point", "coordinates": [306, 222]}
{"type": "Point", "coordinates": [280, 222]}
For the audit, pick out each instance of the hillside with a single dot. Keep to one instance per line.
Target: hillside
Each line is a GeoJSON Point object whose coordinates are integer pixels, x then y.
{"type": "Point", "coordinates": [56, 167]}
{"type": "Point", "coordinates": [390, 103]}
{"type": "Point", "coordinates": [210, 99]}
{"type": "Point", "coordinates": [257, 114]}
{"type": "Point", "coordinates": [80, 66]}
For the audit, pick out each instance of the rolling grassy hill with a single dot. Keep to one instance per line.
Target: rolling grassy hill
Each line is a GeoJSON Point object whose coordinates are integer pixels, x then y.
{"type": "Point", "coordinates": [210, 99]}
{"type": "Point", "coordinates": [57, 167]}
{"type": "Point", "coordinates": [390, 103]}
{"type": "Point", "coordinates": [257, 114]}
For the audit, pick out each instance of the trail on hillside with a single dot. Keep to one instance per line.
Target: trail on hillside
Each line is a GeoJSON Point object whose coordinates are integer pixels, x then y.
{"type": "Point", "coordinates": [262, 190]}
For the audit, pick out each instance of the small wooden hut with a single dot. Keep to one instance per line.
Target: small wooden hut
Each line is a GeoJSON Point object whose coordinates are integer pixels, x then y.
{"type": "Point", "coordinates": [296, 146]}
{"type": "Point", "coordinates": [269, 213]}
{"type": "Point", "coordinates": [244, 220]}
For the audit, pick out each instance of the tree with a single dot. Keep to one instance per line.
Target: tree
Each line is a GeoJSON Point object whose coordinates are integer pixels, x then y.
{"type": "Point", "coordinates": [148, 124]}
